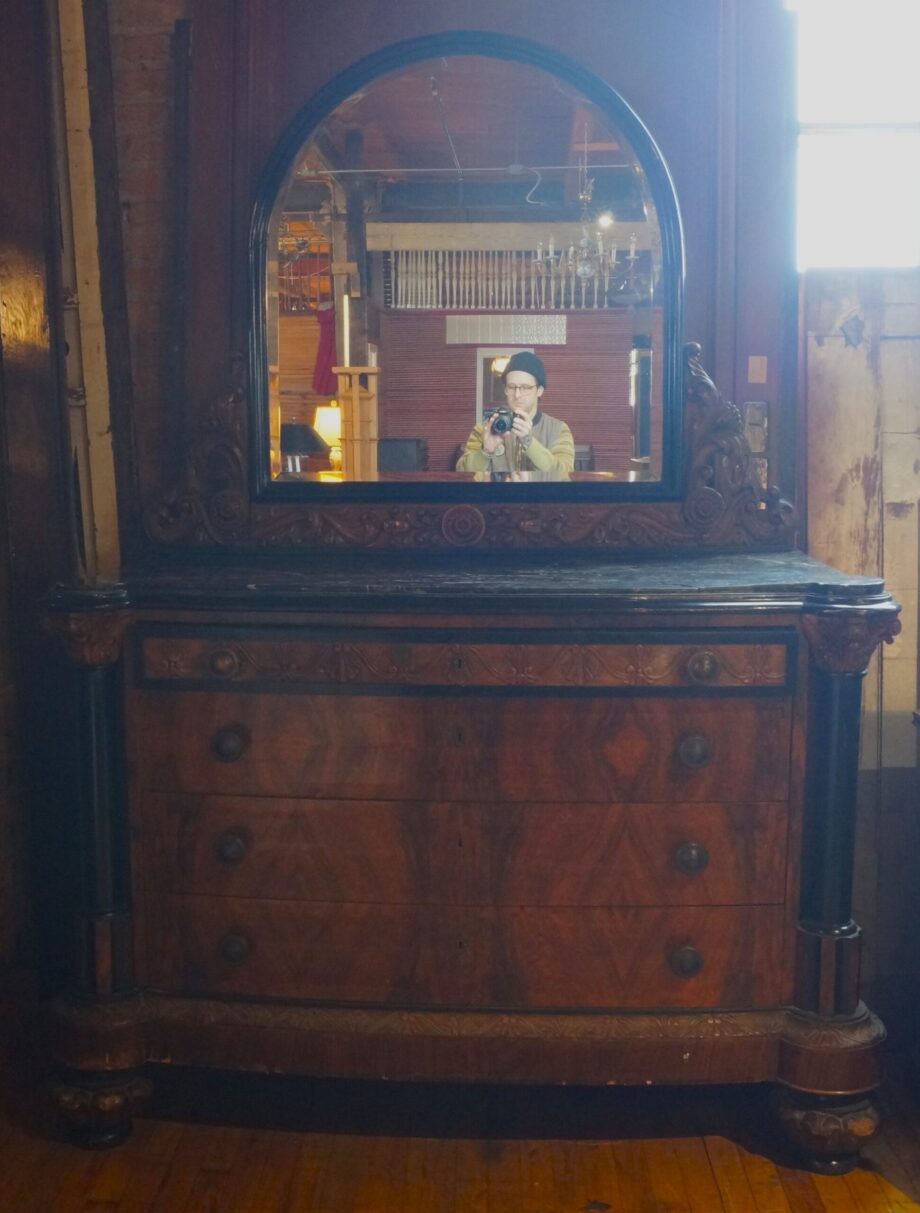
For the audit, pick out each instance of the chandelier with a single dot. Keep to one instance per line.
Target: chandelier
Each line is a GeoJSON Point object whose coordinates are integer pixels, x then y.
{"type": "Point", "coordinates": [590, 260]}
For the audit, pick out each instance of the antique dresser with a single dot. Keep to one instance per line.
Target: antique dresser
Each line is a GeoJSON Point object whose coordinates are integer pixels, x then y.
{"type": "Point", "coordinates": [461, 782]}
{"type": "Point", "coordinates": [566, 820]}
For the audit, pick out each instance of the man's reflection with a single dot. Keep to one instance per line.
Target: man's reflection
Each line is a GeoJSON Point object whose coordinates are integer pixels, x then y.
{"type": "Point", "coordinates": [519, 441]}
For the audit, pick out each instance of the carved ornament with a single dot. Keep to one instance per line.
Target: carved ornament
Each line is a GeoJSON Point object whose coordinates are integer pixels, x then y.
{"type": "Point", "coordinates": [91, 638]}
{"type": "Point", "coordinates": [724, 507]}
{"type": "Point", "coordinates": [828, 1131]}
{"type": "Point", "coordinates": [842, 641]}
{"type": "Point", "coordinates": [101, 1110]}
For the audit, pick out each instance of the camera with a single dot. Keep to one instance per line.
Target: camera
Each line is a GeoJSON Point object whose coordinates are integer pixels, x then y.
{"type": "Point", "coordinates": [501, 419]}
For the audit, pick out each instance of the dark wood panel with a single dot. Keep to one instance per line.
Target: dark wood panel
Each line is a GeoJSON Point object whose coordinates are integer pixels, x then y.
{"type": "Point", "coordinates": [472, 747]}
{"type": "Point", "coordinates": [466, 957]}
{"type": "Point", "coordinates": [471, 854]}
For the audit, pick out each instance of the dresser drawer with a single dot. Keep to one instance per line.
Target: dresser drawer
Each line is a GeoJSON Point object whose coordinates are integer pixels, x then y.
{"type": "Point", "coordinates": [413, 853]}
{"type": "Point", "coordinates": [479, 747]}
{"type": "Point", "coordinates": [273, 659]}
{"type": "Point", "coordinates": [468, 957]}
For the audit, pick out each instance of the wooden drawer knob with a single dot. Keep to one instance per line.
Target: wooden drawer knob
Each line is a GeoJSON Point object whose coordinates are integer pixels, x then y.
{"type": "Point", "coordinates": [234, 948]}
{"type": "Point", "coordinates": [686, 961]}
{"type": "Point", "coordinates": [691, 857]}
{"type": "Point", "coordinates": [703, 667]}
{"type": "Point", "coordinates": [230, 743]}
{"type": "Point", "coordinates": [230, 848]}
{"type": "Point", "coordinates": [224, 663]}
{"type": "Point", "coordinates": [695, 751]}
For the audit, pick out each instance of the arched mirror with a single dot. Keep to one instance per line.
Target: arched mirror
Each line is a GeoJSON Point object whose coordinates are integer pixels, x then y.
{"type": "Point", "coordinates": [467, 279]}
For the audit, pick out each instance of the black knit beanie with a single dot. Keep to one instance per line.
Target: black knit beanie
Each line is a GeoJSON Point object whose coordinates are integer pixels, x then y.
{"type": "Point", "coordinates": [523, 360]}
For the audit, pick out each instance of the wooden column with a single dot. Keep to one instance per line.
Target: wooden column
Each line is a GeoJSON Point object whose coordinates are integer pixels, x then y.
{"type": "Point", "coordinates": [98, 1021]}
{"type": "Point", "coordinates": [841, 641]}
{"type": "Point", "coordinates": [358, 403]}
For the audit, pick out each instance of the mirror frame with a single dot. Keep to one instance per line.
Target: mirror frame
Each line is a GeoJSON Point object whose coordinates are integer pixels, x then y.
{"type": "Point", "coordinates": [710, 498]}
{"type": "Point", "coordinates": [670, 485]}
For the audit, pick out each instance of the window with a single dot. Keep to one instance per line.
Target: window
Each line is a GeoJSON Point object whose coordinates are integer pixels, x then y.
{"type": "Point", "coordinates": [858, 200]}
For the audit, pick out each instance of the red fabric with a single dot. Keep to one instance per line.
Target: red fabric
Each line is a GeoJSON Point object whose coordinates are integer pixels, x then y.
{"type": "Point", "coordinates": [324, 381]}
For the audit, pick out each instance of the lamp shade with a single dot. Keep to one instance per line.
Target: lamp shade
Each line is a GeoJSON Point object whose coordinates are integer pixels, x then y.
{"type": "Point", "coordinates": [300, 439]}
{"type": "Point", "coordinates": [327, 422]}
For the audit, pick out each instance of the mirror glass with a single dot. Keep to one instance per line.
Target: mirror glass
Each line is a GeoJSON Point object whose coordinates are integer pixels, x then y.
{"type": "Point", "coordinates": [446, 217]}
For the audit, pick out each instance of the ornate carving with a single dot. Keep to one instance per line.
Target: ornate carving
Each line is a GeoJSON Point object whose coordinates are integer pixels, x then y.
{"type": "Point", "coordinates": [724, 506]}
{"type": "Point", "coordinates": [829, 1131]}
{"type": "Point", "coordinates": [91, 638]}
{"type": "Point", "coordinates": [843, 640]}
{"type": "Point", "coordinates": [210, 503]}
{"type": "Point", "coordinates": [863, 1031]}
{"type": "Point", "coordinates": [463, 525]}
{"type": "Point", "coordinates": [98, 1107]}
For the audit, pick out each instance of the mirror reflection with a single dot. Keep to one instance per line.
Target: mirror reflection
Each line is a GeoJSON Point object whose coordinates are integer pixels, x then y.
{"type": "Point", "coordinates": [461, 285]}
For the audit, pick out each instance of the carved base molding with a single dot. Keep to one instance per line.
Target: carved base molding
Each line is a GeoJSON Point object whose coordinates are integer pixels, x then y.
{"type": "Point", "coordinates": [723, 508]}
{"type": "Point", "coordinates": [824, 1056]}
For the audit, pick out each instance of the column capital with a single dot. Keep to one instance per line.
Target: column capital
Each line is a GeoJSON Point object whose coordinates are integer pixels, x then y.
{"type": "Point", "coordinates": [843, 639]}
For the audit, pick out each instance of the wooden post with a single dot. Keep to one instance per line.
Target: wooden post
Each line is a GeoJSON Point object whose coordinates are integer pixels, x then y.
{"type": "Point", "coordinates": [359, 421]}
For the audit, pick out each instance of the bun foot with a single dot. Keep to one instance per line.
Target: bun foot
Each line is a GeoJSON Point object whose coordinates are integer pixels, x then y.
{"type": "Point", "coordinates": [98, 1108]}
{"type": "Point", "coordinates": [827, 1131]}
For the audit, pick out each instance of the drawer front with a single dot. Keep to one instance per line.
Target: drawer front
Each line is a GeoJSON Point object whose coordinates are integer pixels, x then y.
{"type": "Point", "coordinates": [468, 957]}
{"type": "Point", "coordinates": [412, 853]}
{"type": "Point", "coordinates": [474, 747]}
{"type": "Point", "coordinates": [273, 660]}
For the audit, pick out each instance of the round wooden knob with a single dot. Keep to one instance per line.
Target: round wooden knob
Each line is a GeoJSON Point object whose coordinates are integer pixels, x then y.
{"type": "Point", "coordinates": [703, 667]}
{"type": "Point", "coordinates": [234, 948]}
{"type": "Point", "coordinates": [230, 847]}
{"type": "Point", "coordinates": [686, 961]}
{"type": "Point", "coordinates": [691, 857]}
{"type": "Point", "coordinates": [695, 751]}
{"type": "Point", "coordinates": [230, 743]}
{"type": "Point", "coordinates": [224, 663]}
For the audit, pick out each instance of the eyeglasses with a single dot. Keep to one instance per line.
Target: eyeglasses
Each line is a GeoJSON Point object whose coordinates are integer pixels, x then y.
{"type": "Point", "coordinates": [519, 389]}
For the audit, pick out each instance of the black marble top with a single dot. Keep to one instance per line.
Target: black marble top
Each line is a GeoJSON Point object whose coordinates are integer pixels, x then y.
{"type": "Point", "coordinates": [439, 582]}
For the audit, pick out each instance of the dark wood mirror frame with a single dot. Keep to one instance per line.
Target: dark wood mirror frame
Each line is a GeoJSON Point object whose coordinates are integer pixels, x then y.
{"type": "Point", "coordinates": [708, 498]}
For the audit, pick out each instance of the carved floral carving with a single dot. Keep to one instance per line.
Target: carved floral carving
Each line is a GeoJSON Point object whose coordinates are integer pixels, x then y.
{"type": "Point", "coordinates": [843, 641]}
{"type": "Point", "coordinates": [829, 1132]}
{"type": "Point", "coordinates": [99, 1111]}
{"type": "Point", "coordinates": [724, 506]}
{"type": "Point", "coordinates": [91, 638]}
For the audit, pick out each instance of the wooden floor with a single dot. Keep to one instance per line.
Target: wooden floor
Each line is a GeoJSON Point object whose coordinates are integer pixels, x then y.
{"type": "Point", "coordinates": [215, 1144]}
